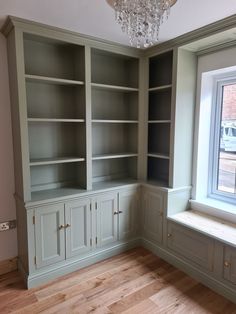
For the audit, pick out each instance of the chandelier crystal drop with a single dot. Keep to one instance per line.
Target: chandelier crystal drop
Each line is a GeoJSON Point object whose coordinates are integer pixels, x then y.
{"type": "Point", "coordinates": [141, 19]}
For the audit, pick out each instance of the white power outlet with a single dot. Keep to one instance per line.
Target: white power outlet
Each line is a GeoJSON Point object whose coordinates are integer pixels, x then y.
{"type": "Point", "coordinates": [7, 225]}
{"type": "Point", "coordinates": [4, 226]}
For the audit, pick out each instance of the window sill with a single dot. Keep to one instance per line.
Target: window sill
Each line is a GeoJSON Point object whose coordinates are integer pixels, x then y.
{"type": "Point", "coordinates": [215, 208]}
{"type": "Point", "coordinates": [210, 226]}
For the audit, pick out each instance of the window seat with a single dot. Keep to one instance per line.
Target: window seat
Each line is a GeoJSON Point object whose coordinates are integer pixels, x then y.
{"type": "Point", "coordinates": [217, 228]}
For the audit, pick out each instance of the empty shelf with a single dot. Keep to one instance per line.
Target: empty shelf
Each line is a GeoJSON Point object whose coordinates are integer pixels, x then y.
{"type": "Point", "coordinates": [114, 121]}
{"type": "Point", "coordinates": [114, 87]}
{"type": "Point", "coordinates": [53, 161]}
{"type": "Point", "coordinates": [52, 80]}
{"type": "Point", "coordinates": [159, 88]}
{"type": "Point", "coordinates": [157, 155]}
{"type": "Point", "coordinates": [159, 121]}
{"type": "Point", "coordinates": [54, 120]}
{"type": "Point", "coordinates": [114, 156]}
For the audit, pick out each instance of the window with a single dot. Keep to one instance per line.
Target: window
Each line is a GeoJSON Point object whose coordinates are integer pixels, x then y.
{"type": "Point", "coordinates": [222, 163]}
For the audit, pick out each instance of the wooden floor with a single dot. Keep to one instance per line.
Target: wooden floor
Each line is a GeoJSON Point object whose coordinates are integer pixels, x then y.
{"type": "Point", "coordinates": [133, 282]}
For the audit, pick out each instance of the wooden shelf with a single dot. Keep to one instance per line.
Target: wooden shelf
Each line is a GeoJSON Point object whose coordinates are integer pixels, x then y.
{"type": "Point", "coordinates": [157, 155]}
{"type": "Point", "coordinates": [113, 121]}
{"type": "Point", "coordinates": [160, 88]}
{"type": "Point", "coordinates": [159, 121]}
{"type": "Point", "coordinates": [55, 120]}
{"type": "Point", "coordinates": [54, 161]}
{"type": "Point", "coordinates": [51, 80]}
{"type": "Point", "coordinates": [114, 156]}
{"type": "Point", "coordinates": [114, 87]}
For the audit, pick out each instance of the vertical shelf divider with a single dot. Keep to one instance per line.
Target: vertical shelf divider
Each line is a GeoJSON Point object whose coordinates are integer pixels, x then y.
{"type": "Point", "coordinates": [88, 116]}
{"type": "Point", "coordinates": [22, 168]}
{"type": "Point", "coordinates": [143, 118]}
{"type": "Point", "coordinates": [172, 129]}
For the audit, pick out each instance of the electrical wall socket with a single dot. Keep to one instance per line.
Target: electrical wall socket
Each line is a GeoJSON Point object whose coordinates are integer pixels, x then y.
{"type": "Point", "coordinates": [7, 225]}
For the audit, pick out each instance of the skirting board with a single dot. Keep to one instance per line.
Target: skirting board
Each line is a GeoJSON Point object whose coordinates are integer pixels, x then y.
{"type": "Point", "coordinates": [39, 279]}
{"type": "Point", "coordinates": [8, 265]}
{"type": "Point", "coordinates": [192, 271]}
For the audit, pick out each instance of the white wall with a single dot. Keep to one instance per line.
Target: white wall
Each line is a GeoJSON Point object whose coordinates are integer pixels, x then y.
{"type": "Point", "coordinates": [8, 239]}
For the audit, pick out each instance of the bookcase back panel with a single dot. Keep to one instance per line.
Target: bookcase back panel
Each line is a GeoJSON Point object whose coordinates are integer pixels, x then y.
{"type": "Point", "coordinates": [114, 69]}
{"type": "Point", "coordinates": [57, 176]}
{"type": "Point", "coordinates": [114, 169]}
{"type": "Point", "coordinates": [111, 105]}
{"type": "Point", "coordinates": [53, 58]}
{"type": "Point", "coordinates": [52, 140]}
{"type": "Point", "coordinates": [109, 138]}
{"type": "Point", "coordinates": [159, 138]}
{"type": "Point", "coordinates": [55, 101]}
{"type": "Point", "coordinates": [160, 105]}
{"type": "Point", "coordinates": [158, 171]}
{"type": "Point", "coordinates": [160, 70]}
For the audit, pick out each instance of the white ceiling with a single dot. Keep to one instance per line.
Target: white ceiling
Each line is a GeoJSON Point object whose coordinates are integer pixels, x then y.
{"type": "Point", "coordinates": [96, 18]}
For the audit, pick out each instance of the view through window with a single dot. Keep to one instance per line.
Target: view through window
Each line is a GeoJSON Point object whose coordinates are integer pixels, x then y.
{"type": "Point", "coordinates": [226, 181]}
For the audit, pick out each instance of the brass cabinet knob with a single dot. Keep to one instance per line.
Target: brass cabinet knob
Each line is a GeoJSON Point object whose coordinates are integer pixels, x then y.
{"type": "Point", "coordinates": [116, 213]}
{"type": "Point", "coordinates": [120, 211]}
{"type": "Point", "coordinates": [60, 227]}
{"type": "Point", "coordinates": [67, 225]}
{"type": "Point", "coordinates": [227, 264]}
{"type": "Point", "coordinates": [169, 235]}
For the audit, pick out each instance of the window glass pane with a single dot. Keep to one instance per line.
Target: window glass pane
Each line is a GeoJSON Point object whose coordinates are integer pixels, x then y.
{"type": "Point", "coordinates": [227, 155]}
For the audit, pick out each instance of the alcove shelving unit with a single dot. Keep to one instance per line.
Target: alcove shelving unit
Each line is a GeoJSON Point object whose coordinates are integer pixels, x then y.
{"type": "Point", "coordinates": [91, 121]}
{"type": "Point", "coordinates": [114, 82]}
{"type": "Point", "coordinates": [55, 96]}
{"type": "Point", "coordinates": [159, 118]}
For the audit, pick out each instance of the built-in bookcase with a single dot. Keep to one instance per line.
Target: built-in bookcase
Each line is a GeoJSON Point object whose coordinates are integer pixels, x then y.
{"type": "Point", "coordinates": [114, 116]}
{"type": "Point", "coordinates": [55, 95]}
{"type": "Point", "coordinates": [159, 118]}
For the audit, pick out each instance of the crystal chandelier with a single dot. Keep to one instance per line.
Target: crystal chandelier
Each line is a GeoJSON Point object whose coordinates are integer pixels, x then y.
{"type": "Point", "coordinates": [141, 19]}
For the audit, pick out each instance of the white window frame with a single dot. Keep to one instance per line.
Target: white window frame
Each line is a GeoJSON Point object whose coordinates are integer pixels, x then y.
{"type": "Point", "coordinates": [213, 192]}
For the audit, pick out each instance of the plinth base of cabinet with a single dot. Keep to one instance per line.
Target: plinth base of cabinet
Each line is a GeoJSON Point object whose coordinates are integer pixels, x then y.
{"type": "Point", "coordinates": [45, 275]}
{"type": "Point", "coordinates": [192, 271]}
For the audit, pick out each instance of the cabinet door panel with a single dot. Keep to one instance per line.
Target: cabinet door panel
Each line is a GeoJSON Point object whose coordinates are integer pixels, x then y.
{"type": "Point", "coordinates": [107, 232]}
{"type": "Point", "coordinates": [191, 245]}
{"type": "Point", "coordinates": [78, 234]}
{"type": "Point", "coordinates": [50, 241]}
{"type": "Point", "coordinates": [153, 216]}
{"type": "Point", "coordinates": [128, 214]}
{"type": "Point", "coordinates": [230, 264]}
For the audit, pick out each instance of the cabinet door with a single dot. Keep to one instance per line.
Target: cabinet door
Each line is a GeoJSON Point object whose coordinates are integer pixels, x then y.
{"type": "Point", "coordinates": [128, 214]}
{"type": "Point", "coordinates": [49, 237]}
{"type": "Point", "coordinates": [230, 264]}
{"type": "Point", "coordinates": [107, 219]}
{"type": "Point", "coordinates": [153, 216]}
{"type": "Point", "coordinates": [191, 245]}
{"type": "Point", "coordinates": [78, 227]}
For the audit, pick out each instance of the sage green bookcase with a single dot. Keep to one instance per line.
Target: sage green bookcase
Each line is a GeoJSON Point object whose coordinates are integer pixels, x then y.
{"type": "Point", "coordinates": [103, 142]}
{"type": "Point", "coordinates": [55, 97]}
{"type": "Point", "coordinates": [115, 87]}
{"type": "Point", "coordinates": [79, 116]}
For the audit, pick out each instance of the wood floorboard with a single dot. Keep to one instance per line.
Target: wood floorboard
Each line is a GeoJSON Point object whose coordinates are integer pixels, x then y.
{"type": "Point", "coordinates": [133, 282]}
{"type": "Point", "coordinates": [85, 278]}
